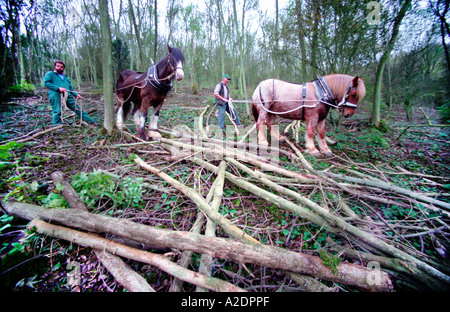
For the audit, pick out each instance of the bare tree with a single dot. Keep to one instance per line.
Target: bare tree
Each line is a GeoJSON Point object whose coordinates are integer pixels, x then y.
{"type": "Point", "coordinates": [376, 118]}
{"type": "Point", "coordinates": [108, 79]}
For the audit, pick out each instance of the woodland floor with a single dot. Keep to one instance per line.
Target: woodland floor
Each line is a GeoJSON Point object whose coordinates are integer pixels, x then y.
{"type": "Point", "coordinates": [75, 150]}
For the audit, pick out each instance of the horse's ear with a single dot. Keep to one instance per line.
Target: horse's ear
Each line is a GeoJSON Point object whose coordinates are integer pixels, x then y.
{"type": "Point", "coordinates": [355, 81]}
{"type": "Point", "coordinates": [170, 48]}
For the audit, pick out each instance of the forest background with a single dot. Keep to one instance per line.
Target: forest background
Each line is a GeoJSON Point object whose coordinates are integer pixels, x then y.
{"type": "Point", "coordinates": [252, 40]}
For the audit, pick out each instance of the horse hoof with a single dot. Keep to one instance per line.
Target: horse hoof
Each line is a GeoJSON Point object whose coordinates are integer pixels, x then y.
{"type": "Point", "coordinates": [156, 136]}
{"type": "Point", "coordinates": [315, 153]}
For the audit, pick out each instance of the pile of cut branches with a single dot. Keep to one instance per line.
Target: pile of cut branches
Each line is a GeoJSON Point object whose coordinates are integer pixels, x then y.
{"type": "Point", "coordinates": [377, 251]}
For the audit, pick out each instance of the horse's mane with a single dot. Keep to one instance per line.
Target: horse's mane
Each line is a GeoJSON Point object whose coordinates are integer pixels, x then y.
{"type": "Point", "coordinates": [339, 83]}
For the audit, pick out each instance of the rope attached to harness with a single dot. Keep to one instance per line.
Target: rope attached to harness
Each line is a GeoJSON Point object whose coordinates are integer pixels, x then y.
{"type": "Point", "coordinates": [64, 97]}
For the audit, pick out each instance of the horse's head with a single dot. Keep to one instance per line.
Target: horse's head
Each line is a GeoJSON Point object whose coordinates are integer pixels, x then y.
{"type": "Point", "coordinates": [176, 59]}
{"type": "Point", "coordinates": [355, 92]}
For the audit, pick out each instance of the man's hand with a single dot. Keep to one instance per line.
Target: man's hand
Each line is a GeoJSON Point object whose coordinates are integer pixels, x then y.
{"type": "Point", "coordinates": [79, 97]}
{"type": "Point", "coordinates": [62, 90]}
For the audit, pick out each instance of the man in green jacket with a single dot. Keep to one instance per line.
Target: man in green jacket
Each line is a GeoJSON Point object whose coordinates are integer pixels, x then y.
{"type": "Point", "coordinates": [58, 83]}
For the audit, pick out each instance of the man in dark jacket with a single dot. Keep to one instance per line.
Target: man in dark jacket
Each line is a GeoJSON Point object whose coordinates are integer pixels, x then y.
{"type": "Point", "coordinates": [57, 84]}
{"type": "Point", "coordinates": [222, 94]}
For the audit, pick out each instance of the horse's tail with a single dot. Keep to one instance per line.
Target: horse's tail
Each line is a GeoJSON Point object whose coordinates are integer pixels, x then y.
{"type": "Point", "coordinates": [255, 100]}
{"type": "Point", "coordinates": [119, 82]}
{"type": "Point", "coordinates": [126, 106]}
{"type": "Point", "coordinates": [255, 111]}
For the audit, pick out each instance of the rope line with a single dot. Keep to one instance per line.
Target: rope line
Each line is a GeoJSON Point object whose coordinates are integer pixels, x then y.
{"type": "Point", "coordinates": [292, 110]}
{"type": "Point", "coordinates": [64, 97]}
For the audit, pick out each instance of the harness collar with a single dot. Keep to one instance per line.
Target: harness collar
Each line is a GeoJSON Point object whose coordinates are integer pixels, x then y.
{"type": "Point", "coordinates": [152, 76]}
{"type": "Point", "coordinates": [324, 94]}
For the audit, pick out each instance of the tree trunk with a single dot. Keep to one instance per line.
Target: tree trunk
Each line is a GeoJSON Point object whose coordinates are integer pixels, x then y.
{"type": "Point", "coordinates": [140, 62]}
{"type": "Point", "coordinates": [276, 54]}
{"type": "Point", "coordinates": [239, 39]}
{"type": "Point", "coordinates": [376, 115]}
{"type": "Point", "coordinates": [301, 38]}
{"type": "Point", "coordinates": [314, 39]}
{"type": "Point", "coordinates": [123, 274]}
{"type": "Point", "coordinates": [108, 80]}
{"type": "Point", "coordinates": [111, 247]}
{"type": "Point", "coordinates": [222, 49]}
{"type": "Point", "coordinates": [263, 255]}
{"type": "Point", "coordinates": [156, 30]}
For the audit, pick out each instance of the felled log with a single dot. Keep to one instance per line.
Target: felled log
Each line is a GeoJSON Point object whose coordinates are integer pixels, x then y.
{"type": "Point", "coordinates": [122, 272]}
{"type": "Point", "coordinates": [114, 248]}
{"type": "Point", "coordinates": [229, 249]}
{"type": "Point", "coordinates": [396, 189]}
{"type": "Point", "coordinates": [228, 227]}
{"type": "Point", "coordinates": [206, 261]}
{"type": "Point", "coordinates": [72, 198]}
{"type": "Point", "coordinates": [334, 224]}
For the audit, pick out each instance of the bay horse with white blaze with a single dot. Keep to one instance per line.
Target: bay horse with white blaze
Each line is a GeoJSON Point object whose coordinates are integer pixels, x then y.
{"type": "Point", "coordinates": [310, 102]}
{"type": "Point", "coordinates": [147, 89]}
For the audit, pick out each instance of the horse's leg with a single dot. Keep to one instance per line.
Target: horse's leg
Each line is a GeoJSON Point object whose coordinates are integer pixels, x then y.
{"type": "Point", "coordinates": [311, 125]}
{"type": "Point", "coordinates": [119, 112]}
{"type": "Point", "coordinates": [140, 118]}
{"type": "Point", "coordinates": [321, 138]}
{"type": "Point", "coordinates": [122, 113]}
{"type": "Point", "coordinates": [273, 130]}
{"type": "Point", "coordinates": [261, 128]}
{"type": "Point", "coordinates": [120, 117]}
{"type": "Point", "coordinates": [153, 130]}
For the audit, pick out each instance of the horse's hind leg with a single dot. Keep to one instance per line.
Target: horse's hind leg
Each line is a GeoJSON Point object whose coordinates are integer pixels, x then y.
{"type": "Point", "coordinates": [275, 135]}
{"type": "Point", "coordinates": [261, 129]}
{"type": "Point", "coordinates": [122, 113]}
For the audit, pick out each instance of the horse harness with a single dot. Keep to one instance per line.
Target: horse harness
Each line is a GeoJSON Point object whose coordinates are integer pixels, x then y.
{"type": "Point", "coordinates": [323, 95]}
{"type": "Point", "coordinates": [303, 99]}
{"type": "Point", "coordinates": [152, 77]}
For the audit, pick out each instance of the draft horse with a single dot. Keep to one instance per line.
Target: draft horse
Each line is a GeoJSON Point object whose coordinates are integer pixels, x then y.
{"type": "Point", "coordinates": [147, 89]}
{"type": "Point", "coordinates": [310, 102]}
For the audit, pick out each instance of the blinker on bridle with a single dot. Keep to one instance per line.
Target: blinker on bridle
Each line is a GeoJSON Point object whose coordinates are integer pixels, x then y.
{"type": "Point", "coordinates": [174, 68]}
{"type": "Point", "coordinates": [344, 102]}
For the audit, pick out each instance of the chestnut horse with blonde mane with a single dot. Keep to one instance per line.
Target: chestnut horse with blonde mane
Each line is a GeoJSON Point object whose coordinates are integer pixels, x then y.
{"type": "Point", "coordinates": [310, 102]}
